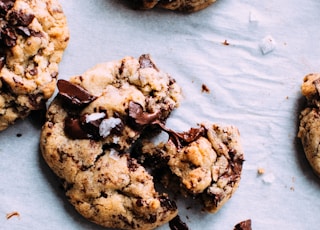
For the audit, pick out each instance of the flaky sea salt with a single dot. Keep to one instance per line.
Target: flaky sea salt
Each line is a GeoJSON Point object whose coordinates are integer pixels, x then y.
{"type": "Point", "coordinates": [253, 18]}
{"type": "Point", "coordinates": [114, 154]}
{"type": "Point", "coordinates": [107, 125]}
{"type": "Point", "coordinates": [94, 117]}
{"type": "Point", "coordinates": [267, 44]}
{"type": "Point", "coordinates": [268, 178]}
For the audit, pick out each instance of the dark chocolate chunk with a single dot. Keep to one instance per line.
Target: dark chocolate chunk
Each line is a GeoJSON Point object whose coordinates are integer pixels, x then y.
{"type": "Point", "coordinates": [74, 94]}
{"type": "Point", "coordinates": [72, 127]}
{"type": "Point", "coordinates": [177, 224]}
{"type": "Point", "coordinates": [142, 118]}
{"type": "Point", "coordinates": [167, 203]}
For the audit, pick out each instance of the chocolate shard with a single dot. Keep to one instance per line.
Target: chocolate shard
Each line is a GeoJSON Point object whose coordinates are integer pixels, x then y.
{"type": "Point", "coordinates": [74, 94]}
{"type": "Point", "coordinates": [140, 117]}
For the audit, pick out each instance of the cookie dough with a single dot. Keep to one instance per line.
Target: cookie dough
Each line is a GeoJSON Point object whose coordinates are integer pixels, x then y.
{"type": "Point", "coordinates": [33, 37]}
{"type": "Point", "coordinates": [204, 163]}
{"type": "Point", "coordinates": [309, 129]}
{"type": "Point", "coordinates": [89, 130]}
{"type": "Point", "coordinates": [180, 5]}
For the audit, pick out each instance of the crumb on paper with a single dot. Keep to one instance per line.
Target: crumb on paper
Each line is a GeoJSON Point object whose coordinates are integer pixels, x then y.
{"type": "Point", "coordinates": [19, 135]}
{"type": "Point", "coordinates": [225, 42]}
{"type": "Point", "coordinates": [267, 44]}
{"type": "Point", "coordinates": [12, 214]}
{"type": "Point", "coordinates": [261, 171]}
{"type": "Point", "coordinates": [292, 188]}
{"type": "Point", "coordinates": [205, 89]}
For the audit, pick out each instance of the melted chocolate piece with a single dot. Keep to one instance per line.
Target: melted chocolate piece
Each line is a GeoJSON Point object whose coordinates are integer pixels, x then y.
{"type": "Point", "coordinates": [177, 224]}
{"type": "Point", "coordinates": [73, 129]}
{"type": "Point", "coordinates": [140, 117]}
{"type": "Point", "coordinates": [243, 225]}
{"type": "Point", "coordinates": [183, 138]}
{"type": "Point", "coordinates": [74, 94]}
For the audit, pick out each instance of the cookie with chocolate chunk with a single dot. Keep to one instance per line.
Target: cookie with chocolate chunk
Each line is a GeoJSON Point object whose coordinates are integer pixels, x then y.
{"type": "Point", "coordinates": [33, 37]}
{"type": "Point", "coordinates": [180, 5]}
{"type": "Point", "coordinates": [309, 128]}
{"type": "Point", "coordinates": [89, 130]}
{"type": "Point", "coordinates": [204, 163]}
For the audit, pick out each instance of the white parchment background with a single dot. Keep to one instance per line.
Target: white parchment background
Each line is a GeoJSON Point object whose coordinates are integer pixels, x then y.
{"type": "Point", "coordinates": [259, 93]}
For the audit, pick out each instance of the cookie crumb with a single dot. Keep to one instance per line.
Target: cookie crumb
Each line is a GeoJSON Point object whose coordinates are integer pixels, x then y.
{"type": "Point", "coordinates": [12, 214]}
{"type": "Point", "coordinates": [19, 135]}
{"type": "Point", "coordinates": [226, 43]}
{"type": "Point", "coordinates": [261, 171]}
{"type": "Point", "coordinates": [205, 89]}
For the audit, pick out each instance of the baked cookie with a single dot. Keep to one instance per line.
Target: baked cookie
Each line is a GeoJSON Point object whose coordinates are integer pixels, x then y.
{"type": "Point", "coordinates": [309, 129]}
{"type": "Point", "coordinates": [204, 163]}
{"type": "Point", "coordinates": [243, 225]}
{"type": "Point", "coordinates": [33, 37]}
{"type": "Point", "coordinates": [89, 130]}
{"type": "Point", "coordinates": [180, 5]}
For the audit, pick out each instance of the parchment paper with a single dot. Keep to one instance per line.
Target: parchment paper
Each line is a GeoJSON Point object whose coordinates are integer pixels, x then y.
{"type": "Point", "coordinates": [251, 55]}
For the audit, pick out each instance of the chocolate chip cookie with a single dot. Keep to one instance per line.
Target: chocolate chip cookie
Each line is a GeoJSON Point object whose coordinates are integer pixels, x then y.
{"type": "Point", "coordinates": [89, 130]}
{"type": "Point", "coordinates": [33, 37]}
{"type": "Point", "coordinates": [180, 5]}
{"type": "Point", "coordinates": [309, 129]}
{"type": "Point", "coordinates": [204, 163]}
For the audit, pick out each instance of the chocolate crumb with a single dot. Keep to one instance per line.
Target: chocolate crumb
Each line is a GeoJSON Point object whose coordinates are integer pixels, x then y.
{"type": "Point", "coordinates": [205, 89]}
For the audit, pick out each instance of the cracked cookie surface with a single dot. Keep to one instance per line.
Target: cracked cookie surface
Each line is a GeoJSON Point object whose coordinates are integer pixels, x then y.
{"type": "Point", "coordinates": [309, 128]}
{"type": "Point", "coordinates": [90, 127]}
{"type": "Point", "coordinates": [33, 37]}
{"type": "Point", "coordinates": [204, 163]}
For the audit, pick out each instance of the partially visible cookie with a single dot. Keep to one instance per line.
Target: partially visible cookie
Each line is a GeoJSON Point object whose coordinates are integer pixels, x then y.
{"type": "Point", "coordinates": [204, 163]}
{"type": "Point", "coordinates": [309, 129]}
{"type": "Point", "coordinates": [243, 225]}
{"type": "Point", "coordinates": [89, 130]}
{"type": "Point", "coordinates": [33, 37]}
{"type": "Point", "coordinates": [180, 5]}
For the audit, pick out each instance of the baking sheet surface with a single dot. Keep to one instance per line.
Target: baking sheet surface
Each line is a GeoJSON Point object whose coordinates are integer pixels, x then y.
{"type": "Point", "coordinates": [251, 55]}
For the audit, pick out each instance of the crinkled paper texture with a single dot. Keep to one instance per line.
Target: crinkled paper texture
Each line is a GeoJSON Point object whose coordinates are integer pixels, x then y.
{"type": "Point", "coordinates": [218, 48]}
